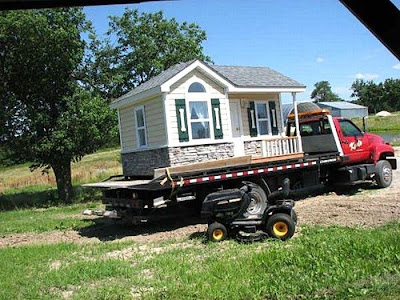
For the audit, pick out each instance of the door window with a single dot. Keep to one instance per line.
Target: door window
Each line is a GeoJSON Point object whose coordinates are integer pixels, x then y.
{"type": "Point", "coordinates": [349, 129]}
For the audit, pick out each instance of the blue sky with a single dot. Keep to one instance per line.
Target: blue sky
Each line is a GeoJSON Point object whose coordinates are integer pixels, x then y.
{"type": "Point", "coordinates": [307, 40]}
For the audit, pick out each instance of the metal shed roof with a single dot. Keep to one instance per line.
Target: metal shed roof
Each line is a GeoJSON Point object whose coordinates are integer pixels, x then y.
{"type": "Point", "coordinates": [342, 105]}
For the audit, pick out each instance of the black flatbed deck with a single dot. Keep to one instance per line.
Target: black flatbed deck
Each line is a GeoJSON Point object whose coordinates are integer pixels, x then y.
{"type": "Point", "coordinates": [190, 178]}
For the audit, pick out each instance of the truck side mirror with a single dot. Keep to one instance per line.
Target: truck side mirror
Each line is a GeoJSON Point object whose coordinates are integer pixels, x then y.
{"type": "Point", "coordinates": [365, 124]}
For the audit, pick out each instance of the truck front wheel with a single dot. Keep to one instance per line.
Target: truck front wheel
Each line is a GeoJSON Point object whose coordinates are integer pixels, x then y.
{"type": "Point", "coordinates": [383, 174]}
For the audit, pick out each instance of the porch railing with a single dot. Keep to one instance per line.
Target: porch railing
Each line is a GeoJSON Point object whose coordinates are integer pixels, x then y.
{"type": "Point", "coordinates": [280, 146]}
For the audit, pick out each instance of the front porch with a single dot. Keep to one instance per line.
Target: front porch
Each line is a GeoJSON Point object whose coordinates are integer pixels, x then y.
{"type": "Point", "coordinates": [257, 127]}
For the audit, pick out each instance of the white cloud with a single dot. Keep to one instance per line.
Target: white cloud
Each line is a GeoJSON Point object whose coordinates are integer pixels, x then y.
{"type": "Point", "coordinates": [343, 91]}
{"type": "Point", "coordinates": [397, 67]}
{"type": "Point", "coordinates": [319, 59]}
{"type": "Point", "coordinates": [366, 76]}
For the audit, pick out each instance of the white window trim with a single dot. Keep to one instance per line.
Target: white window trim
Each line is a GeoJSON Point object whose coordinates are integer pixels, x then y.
{"type": "Point", "coordinates": [141, 127]}
{"type": "Point", "coordinates": [268, 119]}
{"type": "Point", "coordinates": [190, 97]}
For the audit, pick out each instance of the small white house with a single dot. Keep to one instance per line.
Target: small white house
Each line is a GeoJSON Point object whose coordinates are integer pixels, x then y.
{"type": "Point", "coordinates": [194, 112]}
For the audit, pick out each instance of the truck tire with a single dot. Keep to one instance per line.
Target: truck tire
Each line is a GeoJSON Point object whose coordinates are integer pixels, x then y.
{"type": "Point", "coordinates": [280, 226]}
{"type": "Point", "coordinates": [259, 200]}
{"type": "Point", "coordinates": [383, 175]}
{"type": "Point", "coordinates": [216, 232]}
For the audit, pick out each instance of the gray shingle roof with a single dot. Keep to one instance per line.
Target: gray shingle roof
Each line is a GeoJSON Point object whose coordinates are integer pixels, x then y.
{"type": "Point", "coordinates": [255, 76]}
{"type": "Point", "coordinates": [239, 76]}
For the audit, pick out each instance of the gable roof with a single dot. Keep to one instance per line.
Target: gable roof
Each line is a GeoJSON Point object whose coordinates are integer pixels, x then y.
{"type": "Point", "coordinates": [235, 78]}
{"type": "Point", "coordinates": [342, 105]}
{"type": "Point", "coordinates": [159, 79]}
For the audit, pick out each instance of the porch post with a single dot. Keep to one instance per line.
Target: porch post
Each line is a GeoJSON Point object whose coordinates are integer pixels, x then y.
{"type": "Point", "coordinates": [296, 118]}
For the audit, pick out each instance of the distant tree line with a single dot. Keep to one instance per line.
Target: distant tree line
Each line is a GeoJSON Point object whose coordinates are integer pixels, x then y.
{"type": "Point", "coordinates": [377, 96]}
{"type": "Point", "coordinates": [58, 79]}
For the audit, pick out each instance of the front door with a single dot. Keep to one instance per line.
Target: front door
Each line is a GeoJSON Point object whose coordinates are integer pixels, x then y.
{"type": "Point", "coordinates": [236, 126]}
{"type": "Point", "coordinates": [354, 143]}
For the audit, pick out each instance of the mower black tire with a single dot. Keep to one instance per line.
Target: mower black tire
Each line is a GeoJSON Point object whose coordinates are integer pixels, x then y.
{"type": "Point", "coordinates": [294, 216]}
{"type": "Point", "coordinates": [383, 175]}
{"type": "Point", "coordinates": [216, 232]}
{"type": "Point", "coordinates": [280, 226]}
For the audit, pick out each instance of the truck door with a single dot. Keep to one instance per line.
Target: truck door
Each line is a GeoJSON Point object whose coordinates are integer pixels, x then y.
{"type": "Point", "coordinates": [354, 143]}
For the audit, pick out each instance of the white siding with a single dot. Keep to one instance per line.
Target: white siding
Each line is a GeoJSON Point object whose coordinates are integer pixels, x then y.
{"type": "Point", "coordinates": [128, 132]}
{"type": "Point", "coordinates": [179, 91]}
{"type": "Point", "coordinates": [156, 136]}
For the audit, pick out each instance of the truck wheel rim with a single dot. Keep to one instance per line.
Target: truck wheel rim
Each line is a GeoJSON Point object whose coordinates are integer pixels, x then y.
{"type": "Point", "coordinates": [217, 234]}
{"type": "Point", "coordinates": [255, 204]}
{"type": "Point", "coordinates": [387, 174]}
{"type": "Point", "coordinates": [280, 229]}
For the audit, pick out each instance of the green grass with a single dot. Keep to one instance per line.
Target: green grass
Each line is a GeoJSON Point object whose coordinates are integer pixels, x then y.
{"type": "Point", "coordinates": [323, 262]}
{"type": "Point", "coordinates": [41, 220]}
{"type": "Point", "coordinates": [381, 124]}
{"type": "Point", "coordinates": [20, 188]}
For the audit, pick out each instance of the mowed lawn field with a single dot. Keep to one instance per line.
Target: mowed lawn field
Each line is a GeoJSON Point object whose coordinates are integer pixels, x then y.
{"type": "Point", "coordinates": [55, 252]}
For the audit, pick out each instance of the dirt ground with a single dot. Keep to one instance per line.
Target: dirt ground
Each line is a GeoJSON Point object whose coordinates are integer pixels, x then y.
{"type": "Point", "coordinates": [360, 206]}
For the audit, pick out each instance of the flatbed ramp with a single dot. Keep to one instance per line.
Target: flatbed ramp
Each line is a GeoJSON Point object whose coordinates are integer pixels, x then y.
{"type": "Point", "coordinates": [116, 184]}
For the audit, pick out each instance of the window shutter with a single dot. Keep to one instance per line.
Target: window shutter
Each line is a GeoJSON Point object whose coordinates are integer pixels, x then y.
{"type": "Point", "coordinates": [216, 113]}
{"type": "Point", "coordinates": [273, 117]}
{"type": "Point", "coordinates": [252, 119]}
{"type": "Point", "coordinates": [182, 121]}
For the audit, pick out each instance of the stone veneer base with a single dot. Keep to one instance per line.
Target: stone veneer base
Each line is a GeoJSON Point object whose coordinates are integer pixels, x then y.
{"type": "Point", "coordinates": [143, 163]}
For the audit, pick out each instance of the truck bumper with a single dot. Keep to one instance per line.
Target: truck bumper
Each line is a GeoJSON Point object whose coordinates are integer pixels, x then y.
{"type": "Point", "coordinates": [393, 162]}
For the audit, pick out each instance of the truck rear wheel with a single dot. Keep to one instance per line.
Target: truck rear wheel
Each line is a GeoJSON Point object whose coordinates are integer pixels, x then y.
{"type": "Point", "coordinates": [216, 232]}
{"type": "Point", "coordinates": [280, 226]}
{"type": "Point", "coordinates": [259, 200]}
{"type": "Point", "coordinates": [383, 173]}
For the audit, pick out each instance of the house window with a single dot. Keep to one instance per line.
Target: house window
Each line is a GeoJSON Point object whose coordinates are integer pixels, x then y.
{"type": "Point", "coordinates": [262, 118]}
{"type": "Point", "coordinates": [141, 133]}
{"type": "Point", "coordinates": [199, 119]}
{"type": "Point", "coordinates": [196, 87]}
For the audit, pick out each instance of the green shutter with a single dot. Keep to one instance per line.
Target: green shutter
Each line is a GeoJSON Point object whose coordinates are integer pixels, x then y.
{"type": "Point", "coordinates": [251, 111]}
{"type": "Point", "coordinates": [182, 122]}
{"type": "Point", "coordinates": [273, 117]}
{"type": "Point", "coordinates": [216, 113]}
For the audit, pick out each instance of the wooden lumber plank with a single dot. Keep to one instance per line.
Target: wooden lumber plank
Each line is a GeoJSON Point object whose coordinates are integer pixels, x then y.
{"type": "Point", "coordinates": [116, 184]}
{"type": "Point", "coordinates": [207, 165]}
{"type": "Point", "coordinates": [257, 160]}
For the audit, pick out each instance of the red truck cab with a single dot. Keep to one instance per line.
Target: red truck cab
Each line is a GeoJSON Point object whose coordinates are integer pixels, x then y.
{"type": "Point", "coordinates": [365, 156]}
{"type": "Point", "coordinates": [359, 146]}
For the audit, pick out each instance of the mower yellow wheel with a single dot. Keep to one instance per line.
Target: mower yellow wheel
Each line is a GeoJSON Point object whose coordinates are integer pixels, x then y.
{"type": "Point", "coordinates": [280, 229]}
{"type": "Point", "coordinates": [280, 226]}
{"type": "Point", "coordinates": [218, 234]}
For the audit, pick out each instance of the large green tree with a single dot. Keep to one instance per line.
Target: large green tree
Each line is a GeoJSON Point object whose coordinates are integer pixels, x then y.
{"type": "Point", "coordinates": [45, 112]}
{"type": "Point", "coordinates": [323, 93]}
{"type": "Point", "coordinates": [137, 47]}
{"type": "Point", "coordinates": [377, 96]}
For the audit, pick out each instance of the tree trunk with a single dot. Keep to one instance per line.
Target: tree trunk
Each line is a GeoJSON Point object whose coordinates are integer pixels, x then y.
{"type": "Point", "coordinates": [62, 171]}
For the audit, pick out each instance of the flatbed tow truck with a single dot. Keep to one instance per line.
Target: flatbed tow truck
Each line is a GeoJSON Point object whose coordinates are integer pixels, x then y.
{"type": "Point", "coordinates": [250, 197]}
